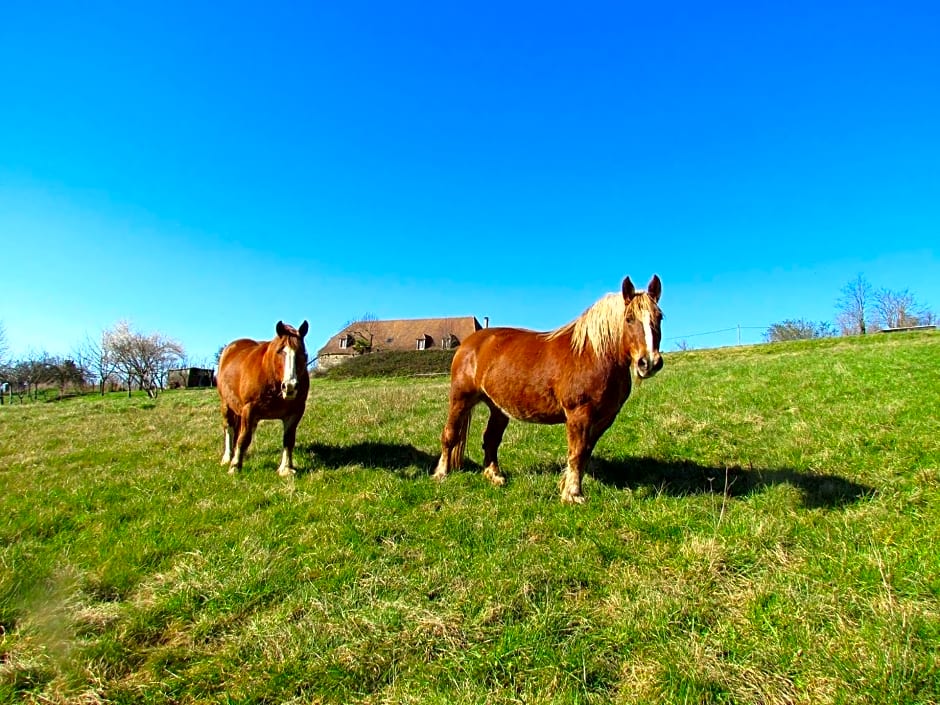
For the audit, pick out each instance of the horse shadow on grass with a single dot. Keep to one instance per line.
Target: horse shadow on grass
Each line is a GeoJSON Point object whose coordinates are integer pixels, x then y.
{"type": "Point", "coordinates": [399, 458]}
{"type": "Point", "coordinates": [674, 478]}
{"type": "Point", "coordinates": [683, 478]}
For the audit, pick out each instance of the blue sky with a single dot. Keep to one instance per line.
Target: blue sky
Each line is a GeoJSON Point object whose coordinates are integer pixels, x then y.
{"type": "Point", "coordinates": [204, 172]}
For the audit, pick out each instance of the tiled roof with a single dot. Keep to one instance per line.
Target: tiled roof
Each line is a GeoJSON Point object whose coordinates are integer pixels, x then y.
{"type": "Point", "coordinates": [402, 334]}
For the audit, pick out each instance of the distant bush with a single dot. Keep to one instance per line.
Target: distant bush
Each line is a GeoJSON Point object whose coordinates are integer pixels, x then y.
{"type": "Point", "coordinates": [392, 364]}
{"type": "Point", "coordinates": [798, 330]}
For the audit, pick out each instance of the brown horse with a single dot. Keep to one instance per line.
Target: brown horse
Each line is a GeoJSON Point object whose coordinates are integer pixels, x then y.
{"type": "Point", "coordinates": [263, 380]}
{"type": "Point", "coordinates": [579, 375]}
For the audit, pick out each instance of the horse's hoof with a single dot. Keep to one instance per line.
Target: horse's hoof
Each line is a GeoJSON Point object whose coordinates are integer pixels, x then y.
{"type": "Point", "coordinates": [494, 476]}
{"type": "Point", "coordinates": [286, 472]}
{"type": "Point", "coordinates": [438, 476]}
{"type": "Point", "coordinates": [232, 470]}
{"type": "Point", "coordinates": [572, 498]}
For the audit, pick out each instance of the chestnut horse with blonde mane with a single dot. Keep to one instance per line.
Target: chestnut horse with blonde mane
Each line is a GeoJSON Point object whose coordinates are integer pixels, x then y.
{"type": "Point", "coordinates": [263, 380]}
{"type": "Point", "coordinates": [579, 375]}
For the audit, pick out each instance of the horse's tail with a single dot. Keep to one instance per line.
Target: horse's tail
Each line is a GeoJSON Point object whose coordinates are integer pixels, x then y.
{"type": "Point", "coordinates": [455, 460]}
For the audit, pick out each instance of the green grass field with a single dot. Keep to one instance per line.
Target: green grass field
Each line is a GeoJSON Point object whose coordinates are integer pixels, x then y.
{"type": "Point", "coordinates": [762, 526]}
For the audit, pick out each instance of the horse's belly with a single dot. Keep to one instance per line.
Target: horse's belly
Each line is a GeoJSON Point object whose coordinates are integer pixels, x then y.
{"type": "Point", "coordinates": [536, 417]}
{"type": "Point", "coordinates": [533, 410]}
{"type": "Point", "coordinates": [517, 377]}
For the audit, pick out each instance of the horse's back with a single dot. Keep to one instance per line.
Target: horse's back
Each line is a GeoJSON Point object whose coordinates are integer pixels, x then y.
{"type": "Point", "coordinates": [503, 346]}
{"type": "Point", "coordinates": [236, 364]}
{"type": "Point", "coordinates": [236, 349]}
{"type": "Point", "coordinates": [514, 368]}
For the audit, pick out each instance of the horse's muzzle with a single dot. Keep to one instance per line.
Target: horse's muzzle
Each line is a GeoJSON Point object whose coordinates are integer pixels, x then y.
{"type": "Point", "coordinates": [288, 391]}
{"type": "Point", "coordinates": [648, 366]}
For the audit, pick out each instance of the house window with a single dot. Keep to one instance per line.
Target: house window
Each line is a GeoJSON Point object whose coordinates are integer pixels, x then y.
{"type": "Point", "coordinates": [421, 343]}
{"type": "Point", "coordinates": [345, 341]}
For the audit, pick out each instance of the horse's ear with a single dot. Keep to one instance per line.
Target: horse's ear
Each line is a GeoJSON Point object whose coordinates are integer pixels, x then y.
{"type": "Point", "coordinates": [628, 290]}
{"type": "Point", "coordinates": [280, 329]}
{"type": "Point", "coordinates": [303, 329]}
{"type": "Point", "coordinates": [655, 288]}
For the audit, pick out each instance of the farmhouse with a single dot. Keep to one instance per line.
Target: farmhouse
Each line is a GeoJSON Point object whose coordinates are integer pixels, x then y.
{"type": "Point", "coordinates": [404, 334]}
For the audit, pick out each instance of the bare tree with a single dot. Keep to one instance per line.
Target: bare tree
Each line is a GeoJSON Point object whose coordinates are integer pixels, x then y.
{"type": "Point", "coordinates": [899, 309]}
{"type": "Point", "coordinates": [683, 345]}
{"type": "Point", "coordinates": [143, 359]}
{"type": "Point", "coordinates": [33, 370]}
{"type": "Point", "coordinates": [4, 365]}
{"type": "Point", "coordinates": [17, 376]}
{"type": "Point", "coordinates": [798, 330]}
{"type": "Point", "coordinates": [96, 356]}
{"type": "Point", "coordinates": [854, 306]}
{"type": "Point", "coordinates": [363, 331]}
{"type": "Point", "coordinates": [4, 346]}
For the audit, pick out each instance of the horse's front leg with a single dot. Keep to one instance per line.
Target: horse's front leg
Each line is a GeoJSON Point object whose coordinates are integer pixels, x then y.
{"type": "Point", "coordinates": [230, 432]}
{"type": "Point", "coordinates": [454, 435]}
{"type": "Point", "coordinates": [577, 428]}
{"type": "Point", "coordinates": [287, 454]}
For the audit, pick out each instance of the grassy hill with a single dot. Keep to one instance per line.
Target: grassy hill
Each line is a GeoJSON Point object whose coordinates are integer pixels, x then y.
{"type": "Point", "coordinates": [762, 526]}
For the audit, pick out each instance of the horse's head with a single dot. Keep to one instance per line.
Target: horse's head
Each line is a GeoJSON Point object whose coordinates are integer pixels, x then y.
{"type": "Point", "coordinates": [291, 356]}
{"type": "Point", "coordinates": [642, 326]}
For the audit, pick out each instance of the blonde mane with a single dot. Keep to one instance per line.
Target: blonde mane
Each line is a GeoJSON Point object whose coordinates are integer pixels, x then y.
{"type": "Point", "coordinates": [602, 325]}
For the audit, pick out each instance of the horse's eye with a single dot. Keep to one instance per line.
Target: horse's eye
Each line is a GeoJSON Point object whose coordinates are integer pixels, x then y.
{"type": "Point", "coordinates": [631, 319]}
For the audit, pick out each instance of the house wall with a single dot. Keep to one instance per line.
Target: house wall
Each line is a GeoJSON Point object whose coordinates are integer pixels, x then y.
{"type": "Point", "coordinates": [325, 362]}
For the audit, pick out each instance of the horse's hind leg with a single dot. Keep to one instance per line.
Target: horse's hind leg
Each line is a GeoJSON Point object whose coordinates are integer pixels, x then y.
{"type": "Point", "coordinates": [287, 455]}
{"type": "Point", "coordinates": [246, 428]}
{"type": "Point", "coordinates": [492, 437]}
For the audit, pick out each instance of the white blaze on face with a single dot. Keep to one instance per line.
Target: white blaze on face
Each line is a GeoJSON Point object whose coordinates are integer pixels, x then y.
{"type": "Point", "coordinates": [289, 381]}
{"type": "Point", "coordinates": [648, 332]}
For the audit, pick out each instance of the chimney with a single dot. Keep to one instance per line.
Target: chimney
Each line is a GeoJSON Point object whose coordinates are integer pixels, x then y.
{"type": "Point", "coordinates": [486, 321]}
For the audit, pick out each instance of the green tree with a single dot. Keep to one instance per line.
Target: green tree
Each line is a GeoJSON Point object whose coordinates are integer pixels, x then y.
{"type": "Point", "coordinates": [66, 372]}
